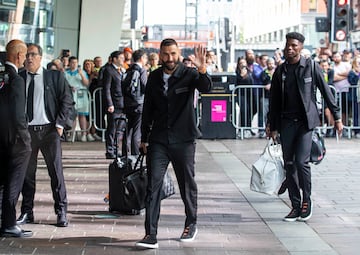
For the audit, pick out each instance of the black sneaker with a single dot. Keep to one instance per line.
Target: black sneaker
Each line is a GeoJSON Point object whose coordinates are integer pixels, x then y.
{"type": "Point", "coordinates": [293, 215]}
{"type": "Point", "coordinates": [306, 211]}
{"type": "Point", "coordinates": [149, 241]}
{"type": "Point", "coordinates": [189, 233]}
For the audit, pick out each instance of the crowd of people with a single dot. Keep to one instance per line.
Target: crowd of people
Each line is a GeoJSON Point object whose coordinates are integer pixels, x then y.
{"type": "Point", "coordinates": [152, 98]}
{"type": "Point", "coordinates": [341, 70]}
{"type": "Point", "coordinates": [155, 108]}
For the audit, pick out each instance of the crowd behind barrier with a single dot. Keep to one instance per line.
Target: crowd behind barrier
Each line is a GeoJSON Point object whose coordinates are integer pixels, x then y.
{"type": "Point", "coordinates": [96, 116]}
{"type": "Point", "coordinates": [253, 117]}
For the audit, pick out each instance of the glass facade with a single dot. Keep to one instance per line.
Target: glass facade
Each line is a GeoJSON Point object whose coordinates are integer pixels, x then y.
{"type": "Point", "coordinates": [30, 21]}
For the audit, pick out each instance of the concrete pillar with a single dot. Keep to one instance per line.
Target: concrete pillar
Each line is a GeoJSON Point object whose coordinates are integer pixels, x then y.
{"type": "Point", "coordinates": [66, 26]}
{"type": "Point", "coordinates": [100, 28]}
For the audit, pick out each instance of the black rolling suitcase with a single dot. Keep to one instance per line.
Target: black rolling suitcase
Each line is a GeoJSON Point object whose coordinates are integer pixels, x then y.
{"type": "Point", "coordinates": [127, 184]}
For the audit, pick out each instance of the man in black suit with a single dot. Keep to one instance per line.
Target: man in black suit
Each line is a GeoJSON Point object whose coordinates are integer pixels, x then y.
{"type": "Point", "coordinates": [168, 133]}
{"type": "Point", "coordinates": [48, 104]}
{"type": "Point", "coordinates": [114, 102]}
{"type": "Point", "coordinates": [15, 148]}
{"type": "Point", "coordinates": [293, 114]}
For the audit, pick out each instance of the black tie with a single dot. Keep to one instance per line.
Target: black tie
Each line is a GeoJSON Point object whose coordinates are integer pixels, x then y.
{"type": "Point", "coordinates": [30, 98]}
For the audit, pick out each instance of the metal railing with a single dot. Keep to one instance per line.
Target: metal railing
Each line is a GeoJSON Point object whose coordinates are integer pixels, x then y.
{"type": "Point", "coordinates": [96, 113]}
{"type": "Point", "coordinates": [250, 107]}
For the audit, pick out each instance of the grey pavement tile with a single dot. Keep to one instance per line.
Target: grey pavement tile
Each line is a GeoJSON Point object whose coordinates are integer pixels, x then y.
{"type": "Point", "coordinates": [232, 219]}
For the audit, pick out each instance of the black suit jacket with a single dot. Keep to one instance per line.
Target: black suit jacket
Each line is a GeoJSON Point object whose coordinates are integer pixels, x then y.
{"type": "Point", "coordinates": [13, 124]}
{"type": "Point", "coordinates": [170, 118]}
{"type": "Point", "coordinates": [306, 86]}
{"type": "Point", "coordinates": [112, 88]}
{"type": "Point", "coordinates": [57, 96]}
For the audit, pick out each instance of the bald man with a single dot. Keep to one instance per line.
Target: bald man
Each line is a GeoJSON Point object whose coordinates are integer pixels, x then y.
{"type": "Point", "coordinates": [15, 148]}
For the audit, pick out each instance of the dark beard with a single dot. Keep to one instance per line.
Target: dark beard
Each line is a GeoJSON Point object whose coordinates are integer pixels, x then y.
{"type": "Point", "coordinates": [250, 61]}
{"type": "Point", "coordinates": [171, 68]}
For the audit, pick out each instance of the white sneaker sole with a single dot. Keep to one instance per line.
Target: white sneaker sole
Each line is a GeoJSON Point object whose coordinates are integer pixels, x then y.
{"type": "Point", "coordinates": [307, 217]}
{"type": "Point", "coordinates": [290, 219]}
{"type": "Point", "coordinates": [189, 239]}
{"type": "Point", "coordinates": [149, 246]}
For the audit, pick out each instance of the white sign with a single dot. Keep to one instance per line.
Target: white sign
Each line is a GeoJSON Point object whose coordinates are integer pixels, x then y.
{"type": "Point", "coordinates": [355, 36]}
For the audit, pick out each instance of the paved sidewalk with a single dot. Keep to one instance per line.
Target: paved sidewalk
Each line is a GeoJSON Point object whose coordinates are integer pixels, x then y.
{"type": "Point", "coordinates": [232, 219]}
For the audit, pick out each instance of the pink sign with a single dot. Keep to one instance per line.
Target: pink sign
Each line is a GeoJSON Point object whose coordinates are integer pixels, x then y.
{"type": "Point", "coordinates": [218, 110]}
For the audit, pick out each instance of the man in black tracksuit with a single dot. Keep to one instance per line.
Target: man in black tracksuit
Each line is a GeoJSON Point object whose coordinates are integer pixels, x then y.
{"type": "Point", "coordinates": [293, 114]}
{"type": "Point", "coordinates": [134, 99]}
{"type": "Point", "coordinates": [169, 129]}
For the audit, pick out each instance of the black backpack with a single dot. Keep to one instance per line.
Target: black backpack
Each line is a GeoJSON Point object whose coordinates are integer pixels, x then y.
{"type": "Point", "coordinates": [4, 77]}
{"type": "Point", "coordinates": [132, 88]}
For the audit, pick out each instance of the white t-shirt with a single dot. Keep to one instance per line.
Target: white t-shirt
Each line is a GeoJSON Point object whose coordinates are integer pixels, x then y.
{"type": "Point", "coordinates": [342, 85]}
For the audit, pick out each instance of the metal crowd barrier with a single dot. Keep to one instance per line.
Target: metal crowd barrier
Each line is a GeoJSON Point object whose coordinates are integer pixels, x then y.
{"type": "Point", "coordinates": [96, 114]}
{"type": "Point", "coordinates": [99, 120]}
{"type": "Point", "coordinates": [250, 107]}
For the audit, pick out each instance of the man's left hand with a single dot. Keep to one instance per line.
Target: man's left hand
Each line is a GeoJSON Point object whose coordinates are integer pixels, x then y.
{"type": "Point", "coordinates": [60, 131]}
{"type": "Point", "coordinates": [199, 59]}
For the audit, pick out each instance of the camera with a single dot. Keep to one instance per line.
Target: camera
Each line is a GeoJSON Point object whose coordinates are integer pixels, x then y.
{"type": "Point", "coordinates": [65, 53]}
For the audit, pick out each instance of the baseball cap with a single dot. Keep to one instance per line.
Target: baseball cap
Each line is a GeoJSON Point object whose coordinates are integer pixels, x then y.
{"type": "Point", "coordinates": [128, 49]}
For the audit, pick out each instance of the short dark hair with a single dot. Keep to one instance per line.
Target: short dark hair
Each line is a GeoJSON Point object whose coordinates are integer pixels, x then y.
{"type": "Point", "coordinates": [168, 42]}
{"type": "Point", "coordinates": [36, 46]}
{"type": "Point", "coordinates": [72, 58]}
{"type": "Point", "coordinates": [115, 54]}
{"type": "Point", "coordinates": [138, 54]}
{"type": "Point", "coordinates": [296, 36]}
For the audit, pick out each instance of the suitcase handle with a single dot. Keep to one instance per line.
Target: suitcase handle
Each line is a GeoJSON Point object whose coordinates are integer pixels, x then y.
{"type": "Point", "coordinates": [118, 127]}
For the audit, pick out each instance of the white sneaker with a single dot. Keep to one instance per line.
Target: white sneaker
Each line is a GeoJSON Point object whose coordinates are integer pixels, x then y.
{"type": "Point", "coordinates": [247, 134]}
{"type": "Point", "coordinates": [90, 138]}
{"type": "Point", "coordinates": [357, 135]}
{"type": "Point", "coordinates": [97, 138]}
{"type": "Point", "coordinates": [83, 138]}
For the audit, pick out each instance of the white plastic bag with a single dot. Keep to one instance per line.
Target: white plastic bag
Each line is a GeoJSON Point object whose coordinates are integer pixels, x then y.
{"type": "Point", "coordinates": [267, 173]}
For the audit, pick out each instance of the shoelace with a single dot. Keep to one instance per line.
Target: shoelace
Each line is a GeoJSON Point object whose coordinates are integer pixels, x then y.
{"type": "Point", "coordinates": [305, 207]}
{"type": "Point", "coordinates": [186, 231]}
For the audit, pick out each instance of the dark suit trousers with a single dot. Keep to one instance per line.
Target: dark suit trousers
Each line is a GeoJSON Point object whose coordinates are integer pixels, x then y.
{"type": "Point", "coordinates": [134, 127]}
{"type": "Point", "coordinates": [182, 157]}
{"type": "Point", "coordinates": [114, 130]}
{"type": "Point", "coordinates": [296, 146]}
{"type": "Point", "coordinates": [47, 140]}
{"type": "Point", "coordinates": [13, 164]}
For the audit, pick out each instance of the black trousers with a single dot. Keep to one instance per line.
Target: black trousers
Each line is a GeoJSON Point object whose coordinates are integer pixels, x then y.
{"type": "Point", "coordinates": [115, 128]}
{"type": "Point", "coordinates": [182, 157]}
{"type": "Point", "coordinates": [133, 115]}
{"type": "Point", "coordinates": [13, 163]}
{"type": "Point", "coordinates": [46, 139]}
{"type": "Point", "coordinates": [296, 146]}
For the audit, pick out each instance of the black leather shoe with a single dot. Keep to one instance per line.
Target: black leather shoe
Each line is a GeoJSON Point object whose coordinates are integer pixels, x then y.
{"type": "Point", "coordinates": [15, 231]}
{"type": "Point", "coordinates": [110, 156]}
{"type": "Point", "coordinates": [25, 218]}
{"type": "Point", "coordinates": [61, 220]}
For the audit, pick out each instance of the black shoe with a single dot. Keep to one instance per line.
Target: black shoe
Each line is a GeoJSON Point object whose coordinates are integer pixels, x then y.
{"type": "Point", "coordinates": [110, 155]}
{"type": "Point", "coordinates": [293, 215]}
{"type": "Point", "coordinates": [330, 133]}
{"type": "Point", "coordinates": [149, 241]}
{"type": "Point", "coordinates": [306, 211]}
{"type": "Point", "coordinates": [282, 188]}
{"type": "Point", "coordinates": [25, 218]}
{"type": "Point", "coordinates": [15, 231]}
{"type": "Point", "coordinates": [189, 233]}
{"type": "Point", "coordinates": [61, 220]}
